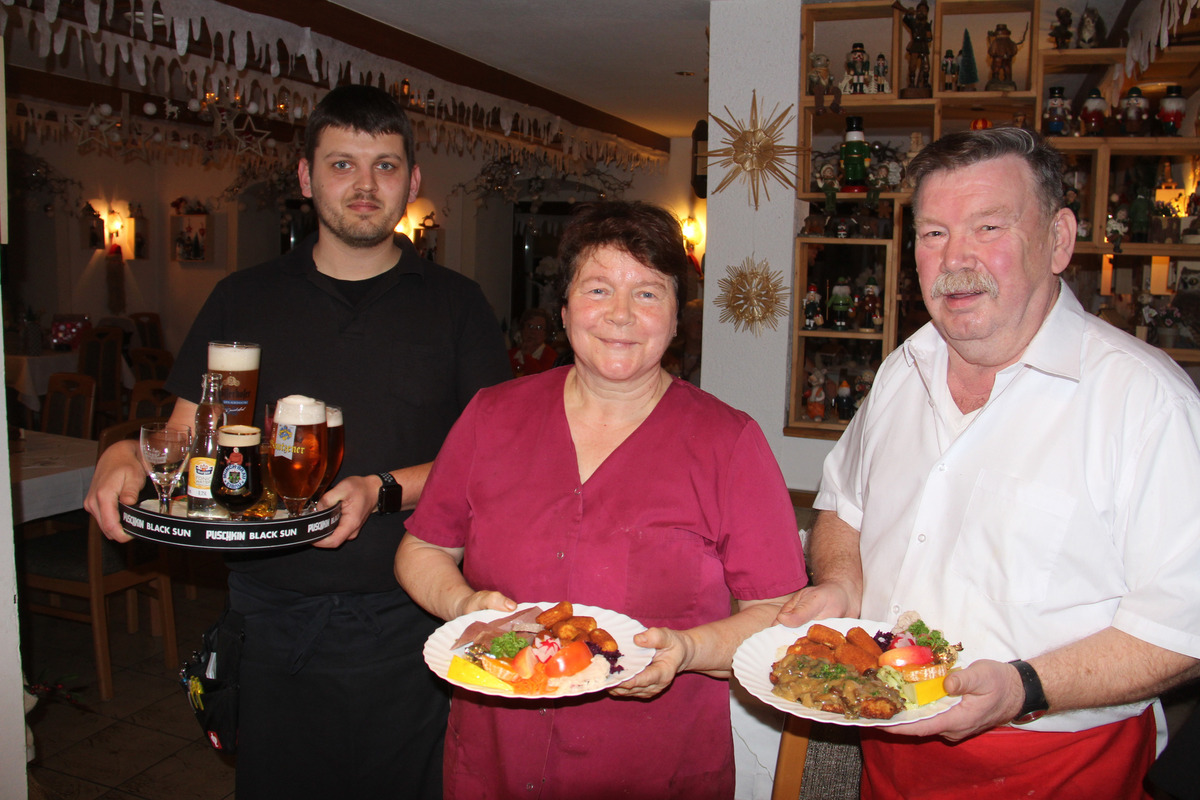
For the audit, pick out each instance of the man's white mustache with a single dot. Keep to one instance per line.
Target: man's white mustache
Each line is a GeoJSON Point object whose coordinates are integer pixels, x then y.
{"type": "Point", "coordinates": [966, 281]}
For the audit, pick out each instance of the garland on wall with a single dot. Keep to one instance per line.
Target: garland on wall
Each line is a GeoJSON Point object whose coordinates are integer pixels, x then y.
{"type": "Point", "coordinates": [243, 93]}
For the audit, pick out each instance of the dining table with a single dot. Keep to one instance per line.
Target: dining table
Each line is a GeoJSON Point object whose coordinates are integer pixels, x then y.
{"type": "Point", "coordinates": [50, 473]}
{"type": "Point", "coordinates": [29, 375]}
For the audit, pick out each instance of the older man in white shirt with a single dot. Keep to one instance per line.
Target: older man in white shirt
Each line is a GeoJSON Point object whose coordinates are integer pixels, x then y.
{"type": "Point", "coordinates": [1018, 475]}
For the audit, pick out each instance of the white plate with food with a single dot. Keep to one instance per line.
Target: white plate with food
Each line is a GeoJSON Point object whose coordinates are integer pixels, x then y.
{"type": "Point", "coordinates": [448, 641]}
{"type": "Point", "coordinates": [754, 659]}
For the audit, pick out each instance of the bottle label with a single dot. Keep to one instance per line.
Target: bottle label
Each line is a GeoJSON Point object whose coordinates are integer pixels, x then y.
{"type": "Point", "coordinates": [200, 475]}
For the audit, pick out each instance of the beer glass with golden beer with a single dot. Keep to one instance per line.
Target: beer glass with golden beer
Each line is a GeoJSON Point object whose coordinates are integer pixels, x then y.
{"type": "Point", "coordinates": [237, 484]}
{"type": "Point", "coordinates": [337, 447]}
{"type": "Point", "coordinates": [238, 364]}
{"type": "Point", "coordinates": [299, 450]}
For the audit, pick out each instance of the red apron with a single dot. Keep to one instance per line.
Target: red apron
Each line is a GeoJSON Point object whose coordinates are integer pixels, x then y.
{"type": "Point", "coordinates": [1110, 761]}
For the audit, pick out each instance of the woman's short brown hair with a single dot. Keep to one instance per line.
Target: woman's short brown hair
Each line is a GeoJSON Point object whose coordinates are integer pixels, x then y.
{"type": "Point", "coordinates": [649, 233]}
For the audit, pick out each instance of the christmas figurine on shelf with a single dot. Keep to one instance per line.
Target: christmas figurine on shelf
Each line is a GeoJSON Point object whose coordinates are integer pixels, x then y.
{"type": "Point", "coordinates": [1057, 115]}
{"type": "Point", "coordinates": [1001, 52]}
{"type": "Point", "coordinates": [870, 314]}
{"type": "Point", "coordinates": [841, 305]}
{"type": "Point", "coordinates": [1061, 32]}
{"type": "Point", "coordinates": [949, 71]}
{"type": "Point", "coordinates": [820, 83]}
{"type": "Point", "coordinates": [855, 157]}
{"type": "Point", "coordinates": [920, 36]}
{"type": "Point", "coordinates": [1170, 111]}
{"type": "Point", "coordinates": [812, 309]}
{"type": "Point", "coordinates": [843, 402]}
{"type": "Point", "coordinates": [1135, 113]}
{"type": "Point", "coordinates": [1094, 113]}
{"type": "Point", "coordinates": [880, 74]}
{"type": "Point", "coordinates": [857, 70]}
{"type": "Point", "coordinates": [814, 395]}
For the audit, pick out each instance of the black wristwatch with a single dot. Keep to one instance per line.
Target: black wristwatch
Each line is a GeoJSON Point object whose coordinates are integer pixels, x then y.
{"type": "Point", "coordinates": [391, 495]}
{"type": "Point", "coordinates": [1035, 704]}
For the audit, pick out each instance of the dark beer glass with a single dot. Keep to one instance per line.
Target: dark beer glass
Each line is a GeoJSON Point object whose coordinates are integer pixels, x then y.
{"type": "Point", "coordinates": [238, 364]}
{"type": "Point", "coordinates": [299, 450]}
{"type": "Point", "coordinates": [238, 482]}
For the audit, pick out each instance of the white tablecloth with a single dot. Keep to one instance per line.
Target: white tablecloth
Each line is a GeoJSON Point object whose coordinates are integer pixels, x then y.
{"type": "Point", "coordinates": [30, 374]}
{"type": "Point", "coordinates": [51, 475]}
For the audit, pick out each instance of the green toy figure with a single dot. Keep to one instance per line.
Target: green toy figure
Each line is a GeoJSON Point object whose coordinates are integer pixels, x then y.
{"type": "Point", "coordinates": [855, 156]}
{"type": "Point", "coordinates": [841, 305]}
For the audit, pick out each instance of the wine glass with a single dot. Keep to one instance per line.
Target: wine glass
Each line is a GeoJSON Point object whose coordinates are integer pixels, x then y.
{"type": "Point", "coordinates": [164, 452]}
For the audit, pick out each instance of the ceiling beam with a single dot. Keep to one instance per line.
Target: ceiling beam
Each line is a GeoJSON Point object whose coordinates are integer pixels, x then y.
{"type": "Point", "coordinates": [365, 33]}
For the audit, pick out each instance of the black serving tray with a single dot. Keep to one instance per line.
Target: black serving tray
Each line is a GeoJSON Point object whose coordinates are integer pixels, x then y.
{"type": "Point", "coordinates": [145, 522]}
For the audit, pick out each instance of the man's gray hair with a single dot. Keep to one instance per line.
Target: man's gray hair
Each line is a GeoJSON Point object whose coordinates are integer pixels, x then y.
{"type": "Point", "coordinates": [966, 148]}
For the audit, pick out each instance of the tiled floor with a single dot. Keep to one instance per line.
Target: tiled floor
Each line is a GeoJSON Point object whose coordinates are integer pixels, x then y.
{"type": "Point", "coordinates": [144, 743]}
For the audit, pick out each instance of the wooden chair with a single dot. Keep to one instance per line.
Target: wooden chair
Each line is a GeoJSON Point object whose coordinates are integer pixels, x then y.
{"type": "Point", "coordinates": [150, 363]}
{"type": "Point", "coordinates": [789, 766]}
{"type": "Point", "coordinates": [149, 398]}
{"type": "Point", "coordinates": [149, 329]}
{"type": "Point", "coordinates": [69, 405]}
{"type": "Point", "coordinates": [100, 357]}
{"type": "Point", "coordinates": [85, 564]}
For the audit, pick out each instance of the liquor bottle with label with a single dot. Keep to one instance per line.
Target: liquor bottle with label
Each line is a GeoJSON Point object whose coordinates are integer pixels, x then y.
{"type": "Point", "coordinates": [210, 416]}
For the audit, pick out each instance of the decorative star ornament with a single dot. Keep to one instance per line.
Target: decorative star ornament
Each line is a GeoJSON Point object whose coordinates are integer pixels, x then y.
{"type": "Point", "coordinates": [751, 296]}
{"type": "Point", "coordinates": [249, 138]}
{"type": "Point", "coordinates": [753, 153]}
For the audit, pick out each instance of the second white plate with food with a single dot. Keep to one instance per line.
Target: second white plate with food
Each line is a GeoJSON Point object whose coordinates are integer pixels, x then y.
{"type": "Point", "coordinates": [757, 654]}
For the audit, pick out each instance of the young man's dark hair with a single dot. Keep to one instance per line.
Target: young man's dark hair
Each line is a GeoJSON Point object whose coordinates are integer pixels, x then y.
{"type": "Point", "coordinates": [360, 108]}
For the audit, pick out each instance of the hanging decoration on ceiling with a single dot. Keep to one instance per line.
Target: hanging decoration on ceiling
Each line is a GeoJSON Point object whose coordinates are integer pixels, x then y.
{"type": "Point", "coordinates": [753, 152]}
{"type": "Point", "coordinates": [752, 296]}
{"type": "Point", "coordinates": [514, 178]}
{"type": "Point", "coordinates": [254, 72]}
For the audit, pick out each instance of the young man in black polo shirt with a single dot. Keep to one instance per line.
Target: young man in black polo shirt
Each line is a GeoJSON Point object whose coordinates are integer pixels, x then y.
{"type": "Point", "coordinates": [336, 700]}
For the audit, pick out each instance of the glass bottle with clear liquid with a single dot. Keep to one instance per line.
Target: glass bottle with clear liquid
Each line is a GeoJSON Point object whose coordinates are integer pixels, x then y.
{"type": "Point", "coordinates": [202, 467]}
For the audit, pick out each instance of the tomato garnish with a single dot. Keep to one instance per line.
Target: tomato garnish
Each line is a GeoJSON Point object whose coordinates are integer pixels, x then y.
{"type": "Point", "coordinates": [524, 662]}
{"type": "Point", "coordinates": [572, 658]}
{"type": "Point", "coordinates": [913, 655]}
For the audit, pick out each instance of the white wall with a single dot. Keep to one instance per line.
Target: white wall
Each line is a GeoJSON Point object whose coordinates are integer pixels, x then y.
{"type": "Point", "coordinates": [755, 46]}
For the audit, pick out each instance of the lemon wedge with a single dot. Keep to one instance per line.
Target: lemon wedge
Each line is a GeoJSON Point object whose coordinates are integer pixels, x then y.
{"type": "Point", "coordinates": [464, 671]}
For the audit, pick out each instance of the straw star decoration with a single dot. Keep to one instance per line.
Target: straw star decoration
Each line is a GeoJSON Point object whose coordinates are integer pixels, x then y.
{"type": "Point", "coordinates": [752, 296]}
{"type": "Point", "coordinates": [753, 153]}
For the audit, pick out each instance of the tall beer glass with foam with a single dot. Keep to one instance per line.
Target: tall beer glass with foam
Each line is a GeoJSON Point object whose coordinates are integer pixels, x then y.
{"type": "Point", "coordinates": [237, 362]}
{"type": "Point", "coordinates": [299, 450]}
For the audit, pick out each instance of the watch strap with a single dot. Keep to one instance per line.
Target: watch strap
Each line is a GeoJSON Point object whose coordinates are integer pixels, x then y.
{"type": "Point", "coordinates": [1035, 704]}
{"type": "Point", "coordinates": [391, 494]}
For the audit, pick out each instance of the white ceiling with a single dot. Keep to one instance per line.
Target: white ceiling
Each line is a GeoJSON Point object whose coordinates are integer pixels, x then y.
{"type": "Point", "coordinates": [618, 56]}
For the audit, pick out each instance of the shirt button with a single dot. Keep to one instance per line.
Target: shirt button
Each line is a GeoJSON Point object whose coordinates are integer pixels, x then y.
{"type": "Point", "coordinates": [560, 554]}
{"type": "Point", "coordinates": [542, 711]}
{"type": "Point", "coordinates": [921, 537]}
{"type": "Point", "coordinates": [576, 491]}
{"type": "Point", "coordinates": [941, 467]}
{"type": "Point", "coordinates": [895, 609]}
{"type": "Point", "coordinates": [529, 786]}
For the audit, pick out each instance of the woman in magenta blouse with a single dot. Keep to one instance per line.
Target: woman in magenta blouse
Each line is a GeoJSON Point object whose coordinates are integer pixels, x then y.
{"type": "Point", "coordinates": [607, 483]}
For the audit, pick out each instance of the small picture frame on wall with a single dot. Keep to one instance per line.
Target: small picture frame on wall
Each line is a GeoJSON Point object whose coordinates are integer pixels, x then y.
{"type": "Point", "coordinates": [189, 238]}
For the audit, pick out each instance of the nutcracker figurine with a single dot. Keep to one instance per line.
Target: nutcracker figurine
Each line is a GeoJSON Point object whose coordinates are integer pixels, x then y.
{"type": "Point", "coordinates": [1170, 111]}
{"type": "Point", "coordinates": [1135, 113]}
{"type": "Point", "coordinates": [1094, 113]}
{"type": "Point", "coordinates": [855, 157]}
{"type": "Point", "coordinates": [1057, 115]}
